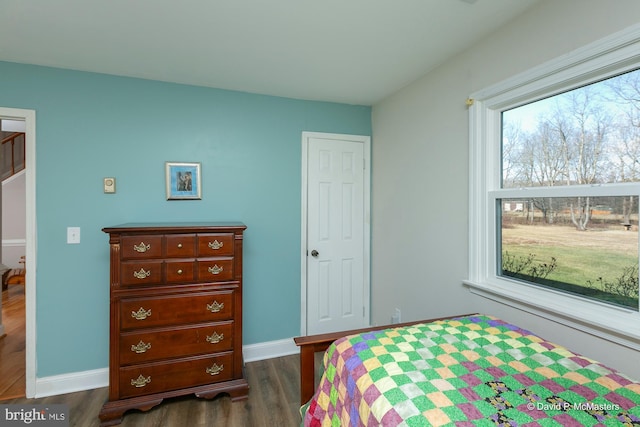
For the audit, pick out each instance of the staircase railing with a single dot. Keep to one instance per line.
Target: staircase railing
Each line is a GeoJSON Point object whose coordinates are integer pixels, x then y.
{"type": "Point", "coordinates": [15, 144]}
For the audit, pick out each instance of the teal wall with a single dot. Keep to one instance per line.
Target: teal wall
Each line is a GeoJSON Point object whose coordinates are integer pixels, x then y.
{"type": "Point", "coordinates": [90, 126]}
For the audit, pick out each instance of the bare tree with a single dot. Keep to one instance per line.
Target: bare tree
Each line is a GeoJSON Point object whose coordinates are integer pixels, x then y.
{"type": "Point", "coordinates": [511, 142]}
{"type": "Point", "coordinates": [626, 88]}
{"type": "Point", "coordinates": [580, 126]}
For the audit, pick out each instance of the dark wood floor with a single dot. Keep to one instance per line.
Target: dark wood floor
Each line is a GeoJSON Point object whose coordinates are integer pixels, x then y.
{"type": "Point", "coordinates": [274, 397]}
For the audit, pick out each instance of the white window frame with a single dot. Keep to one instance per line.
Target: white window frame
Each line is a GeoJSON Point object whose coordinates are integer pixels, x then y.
{"type": "Point", "coordinates": [605, 58]}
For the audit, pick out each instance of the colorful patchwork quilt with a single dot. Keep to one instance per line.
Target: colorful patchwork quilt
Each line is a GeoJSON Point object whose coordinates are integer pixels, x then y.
{"type": "Point", "coordinates": [469, 371]}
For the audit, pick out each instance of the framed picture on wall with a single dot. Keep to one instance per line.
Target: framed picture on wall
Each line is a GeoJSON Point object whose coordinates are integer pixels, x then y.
{"type": "Point", "coordinates": [183, 181]}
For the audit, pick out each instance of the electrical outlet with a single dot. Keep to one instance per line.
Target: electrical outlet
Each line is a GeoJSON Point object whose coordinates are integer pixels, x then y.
{"type": "Point", "coordinates": [73, 235]}
{"type": "Point", "coordinates": [397, 316]}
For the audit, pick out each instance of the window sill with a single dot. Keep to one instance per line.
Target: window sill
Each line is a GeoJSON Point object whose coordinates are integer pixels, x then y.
{"type": "Point", "coordinates": [615, 324]}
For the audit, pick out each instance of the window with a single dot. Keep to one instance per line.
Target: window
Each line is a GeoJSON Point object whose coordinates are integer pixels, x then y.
{"type": "Point", "coordinates": [585, 245]}
{"type": "Point", "coordinates": [554, 188]}
{"type": "Point", "coordinates": [578, 245]}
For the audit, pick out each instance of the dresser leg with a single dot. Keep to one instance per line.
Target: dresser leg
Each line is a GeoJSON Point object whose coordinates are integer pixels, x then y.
{"type": "Point", "coordinates": [236, 389]}
{"type": "Point", "coordinates": [112, 412]}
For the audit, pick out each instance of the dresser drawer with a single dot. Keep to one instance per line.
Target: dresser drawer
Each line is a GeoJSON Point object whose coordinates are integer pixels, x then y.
{"type": "Point", "coordinates": [143, 246]}
{"type": "Point", "coordinates": [141, 272]}
{"type": "Point", "coordinates": [180, 271]}
{"type": "Point", "coordinates": [157, 377]}
{"type": "Point", "coordinates": [180, 245]}
{"type": "Point", "coordinates": [179, 309]}
{"type": "Point", "coordinates": [138, 347]}
{"type": "Point", "coordinates": [219, 244]}
{"type": "Point", "coordinates": [215, 270]}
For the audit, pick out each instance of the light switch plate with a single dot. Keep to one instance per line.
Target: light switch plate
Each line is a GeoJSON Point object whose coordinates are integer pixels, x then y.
{"type": "Point", "coordinates": [109, 185]}
{"type": "Point", "coordinates": [73, 235]}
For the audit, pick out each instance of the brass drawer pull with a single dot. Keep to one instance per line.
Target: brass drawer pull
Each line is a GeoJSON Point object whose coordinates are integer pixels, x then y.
{"type": "Point", "coordinates": [215, 369]}
{"type": "Point", "coordinates": [179, 271]}
{"type": "Point", "coordinates": [141, 274]}
{"type": "Point", "coordinates": [179, 245]}
{"type": "Point", "coordinates": [141, 314]}
{"type": "Point", "coordinates": [141, 347]}
{"type": "Point", "coordinates": [141, 381]}
{"type": "Point", "coordinates": [215, 307]}
{"type": "Point", "coordinates": [215, 245]}
{"type": "Point", "coordinates": [142, 248]}
{"type": "Point", "coordinates": [215, 269]}
{"type": "Point", "coordinates": [215, 338]}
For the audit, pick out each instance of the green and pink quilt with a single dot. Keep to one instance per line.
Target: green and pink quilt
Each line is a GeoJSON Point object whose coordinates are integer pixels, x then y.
{"type": "Point", "coordinates": [470, 371]}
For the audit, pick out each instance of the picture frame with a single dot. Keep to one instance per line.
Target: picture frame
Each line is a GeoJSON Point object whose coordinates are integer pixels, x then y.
{"type": "Point", "coordinates": [183, 181]}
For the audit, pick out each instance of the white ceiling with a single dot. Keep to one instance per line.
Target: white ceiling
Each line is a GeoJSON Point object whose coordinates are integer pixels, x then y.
{"type": "Point", "coordinates": [349, 51]}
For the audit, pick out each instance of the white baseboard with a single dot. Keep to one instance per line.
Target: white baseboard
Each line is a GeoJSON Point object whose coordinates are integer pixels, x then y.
{"type": "Point", "coordinates": [269, 350]}
{"type": "Point", "coordinates": [14, 243]}
{"type": "Point", "coordinates": [70, 383]}
{"type": "Point", "coordinates": [97, 378]}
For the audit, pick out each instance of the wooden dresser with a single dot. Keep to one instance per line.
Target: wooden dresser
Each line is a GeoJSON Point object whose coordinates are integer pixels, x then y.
{"type": "Point", "coordinates": [176, 314]}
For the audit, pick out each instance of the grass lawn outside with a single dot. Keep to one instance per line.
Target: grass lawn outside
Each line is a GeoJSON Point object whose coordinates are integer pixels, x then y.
{"type": "Point", "coordinates": [582, 257]}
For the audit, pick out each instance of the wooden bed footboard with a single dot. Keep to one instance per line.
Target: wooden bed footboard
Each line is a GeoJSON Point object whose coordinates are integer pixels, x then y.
{"type": "Point", "coordinates": [311, 344]}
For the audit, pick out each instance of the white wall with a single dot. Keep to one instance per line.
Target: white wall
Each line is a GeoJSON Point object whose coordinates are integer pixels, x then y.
{"type": "Point", "coordinates": [420, 172]}
{"type": "Point", "coordinates": [13, 220]}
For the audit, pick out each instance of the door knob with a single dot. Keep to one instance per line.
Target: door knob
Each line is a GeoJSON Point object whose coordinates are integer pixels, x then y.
{"type": "Point", "coordinates": [314, 253]}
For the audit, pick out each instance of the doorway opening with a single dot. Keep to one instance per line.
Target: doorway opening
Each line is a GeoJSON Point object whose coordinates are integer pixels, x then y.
{"type": "Point", "coordinates": [18, 301]}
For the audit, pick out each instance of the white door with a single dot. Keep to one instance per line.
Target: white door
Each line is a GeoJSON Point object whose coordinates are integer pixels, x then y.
{"type": "Point", "coordinates": [335, 232]}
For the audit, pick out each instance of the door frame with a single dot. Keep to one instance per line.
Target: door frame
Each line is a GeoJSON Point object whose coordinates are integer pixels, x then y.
{"type": "Point", "coordinates": [29, 117]}
{"type": "Point", "coordinates": [366, 141]}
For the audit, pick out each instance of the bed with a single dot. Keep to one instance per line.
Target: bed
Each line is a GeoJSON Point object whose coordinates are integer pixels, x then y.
{"type": "Point", "coordinates": [471, 370]}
